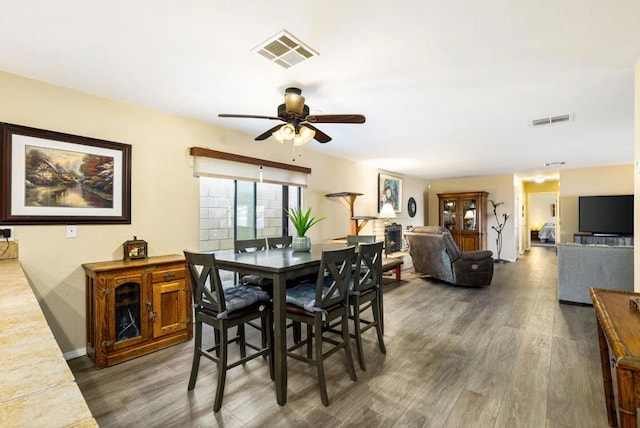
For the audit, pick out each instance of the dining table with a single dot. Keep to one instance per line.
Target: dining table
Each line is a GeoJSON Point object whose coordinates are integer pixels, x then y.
{"type": "Point", "coordinates": [279, 264]}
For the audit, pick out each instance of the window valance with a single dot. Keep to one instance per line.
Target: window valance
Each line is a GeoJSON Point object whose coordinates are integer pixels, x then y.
{"type": "Point", "coordinates": [212, 163]}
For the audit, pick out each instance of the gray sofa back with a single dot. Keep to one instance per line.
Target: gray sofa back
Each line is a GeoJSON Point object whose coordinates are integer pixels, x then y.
{"type": "Point", "coordinates": [583, 266]}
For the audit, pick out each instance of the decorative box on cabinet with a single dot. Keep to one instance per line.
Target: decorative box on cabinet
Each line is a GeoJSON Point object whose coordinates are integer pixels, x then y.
{"type": "Point", "coordinates": [464, 214]}
{"type": "Point", "coordinates": [136, 307]}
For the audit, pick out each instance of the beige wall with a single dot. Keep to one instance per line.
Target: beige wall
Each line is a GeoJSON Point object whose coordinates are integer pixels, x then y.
{"type": "Point", "coordinates": [164, 192]}
{"type": "Point", "coordinates": [613, 180]}
{"type": "Point", "coordinates": [501, 189]}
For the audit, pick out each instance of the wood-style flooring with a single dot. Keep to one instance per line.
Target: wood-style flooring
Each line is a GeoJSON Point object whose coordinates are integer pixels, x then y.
{"type": "Point", "coordinates": [508, 355]}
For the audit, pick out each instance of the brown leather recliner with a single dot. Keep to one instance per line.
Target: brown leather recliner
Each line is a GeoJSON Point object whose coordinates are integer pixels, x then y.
{"type": "Point", "coordinates": [435, 253]}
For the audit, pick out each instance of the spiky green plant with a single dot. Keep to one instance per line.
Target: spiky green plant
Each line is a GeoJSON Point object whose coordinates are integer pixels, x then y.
{"type": "Point", "coordinates": [302, 221]}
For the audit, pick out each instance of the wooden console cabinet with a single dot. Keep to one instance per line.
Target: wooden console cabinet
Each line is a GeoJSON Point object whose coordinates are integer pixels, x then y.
{"type": "Point", "coordinates": [136, 307]}
{"type": "Point", "coordinates": [465, 215]}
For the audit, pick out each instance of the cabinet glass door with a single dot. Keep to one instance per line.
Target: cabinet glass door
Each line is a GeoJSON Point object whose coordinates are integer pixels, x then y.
{"type": "Point", "coordinates": [469, 214]}
{"type": "Point", "coordinates": [127, 311]}
{"type": "Point", "coordinates": [449, 214]}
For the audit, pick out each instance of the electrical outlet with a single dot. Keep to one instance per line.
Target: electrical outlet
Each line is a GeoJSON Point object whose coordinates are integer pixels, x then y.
{"type": "Point", "coordinates": [6, 232]}
{"type": "Point", "coordinates": [72, 231]}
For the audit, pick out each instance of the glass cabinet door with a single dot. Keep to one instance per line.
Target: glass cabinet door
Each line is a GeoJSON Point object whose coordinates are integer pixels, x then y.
{"type": "Point", "coordinates": [449, 214]}
{"type": "Point", "coordinates": [469, 214]}
{"type": "Point", "coordinates": [127, 311]}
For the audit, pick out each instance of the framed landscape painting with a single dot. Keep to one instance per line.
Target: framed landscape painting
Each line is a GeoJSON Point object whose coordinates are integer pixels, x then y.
{"type": "Point", "coordinates": [54, 178]}
{"type": "Point", "coordinates": [390, 191]}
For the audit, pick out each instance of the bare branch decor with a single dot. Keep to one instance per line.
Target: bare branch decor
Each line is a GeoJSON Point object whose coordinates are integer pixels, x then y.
{"type": "Point", "coordinates": [501, 221]}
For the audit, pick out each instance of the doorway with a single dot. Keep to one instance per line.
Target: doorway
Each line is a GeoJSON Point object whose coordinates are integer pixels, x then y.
{"type": "Point", "coordinates": [543, 218]}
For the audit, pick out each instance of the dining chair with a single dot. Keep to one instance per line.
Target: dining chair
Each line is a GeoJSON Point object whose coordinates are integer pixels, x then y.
{"type": "Point", "coordinates": [224, 308]}
{"type": "Point", "coordinates": [279, 241]}
{"type": "Point", "coordinates": [316, 305]}
{"type": "Point", "coordinates": [365, 292]}
{"type": "Point", "coordinates": [360, 239]}
{"type": "Point", "coordinates": [247, 246]}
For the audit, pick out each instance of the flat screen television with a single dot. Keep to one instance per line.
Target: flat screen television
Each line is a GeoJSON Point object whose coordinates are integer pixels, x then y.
{"type": "Point", "coordinates": [606, 215]}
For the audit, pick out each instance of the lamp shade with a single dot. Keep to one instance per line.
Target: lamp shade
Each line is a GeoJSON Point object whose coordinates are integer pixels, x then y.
{"type": "Point", "coordinates": [293, 101]}
{"type": "Point", "coordinates": [285, 133]}
{"type": "Point", "coordinates": [303, 136]}
{"type": "Point", "coordinates": [387, 211]}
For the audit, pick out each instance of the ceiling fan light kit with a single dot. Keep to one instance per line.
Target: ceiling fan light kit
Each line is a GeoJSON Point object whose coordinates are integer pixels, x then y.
{"type": "Point", "coordinates": [297, 128]}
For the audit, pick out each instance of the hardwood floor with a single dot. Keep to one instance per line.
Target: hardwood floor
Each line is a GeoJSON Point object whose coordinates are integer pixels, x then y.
{"type": "Point", "coordinates": [507, 355]}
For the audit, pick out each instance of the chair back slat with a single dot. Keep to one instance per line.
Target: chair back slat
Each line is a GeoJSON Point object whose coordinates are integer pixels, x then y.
{"type": "Point", "coordinates": [368, 271]}
{"type": "Point", "coordinates": [279, 241]}
{"type": "Point", "coordinates": [336, 268]}
{"type": "Point", "coordinates": [205, 281]}
{"type": "Point", "coordinates": [249, 245]}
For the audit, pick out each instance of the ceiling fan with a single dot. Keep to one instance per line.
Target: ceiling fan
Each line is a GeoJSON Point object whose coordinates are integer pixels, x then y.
{"type": "Point", "coordinates": [298, 122]}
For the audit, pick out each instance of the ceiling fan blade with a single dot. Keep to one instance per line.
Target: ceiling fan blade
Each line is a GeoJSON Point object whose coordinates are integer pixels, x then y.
{"type": "Point", "coordinates": [268, 133]}
{"type": "Point", "coordinates": [320, 136]}
{"type": "Point", "coordinates": [249, 116]}
{"type": "Point", "coordinates": [335, 118]}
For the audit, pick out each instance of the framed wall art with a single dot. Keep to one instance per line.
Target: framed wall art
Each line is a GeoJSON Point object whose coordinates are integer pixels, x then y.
{"type": "Point", "coordinates": [54, 178]}
{"type": "Point", "coordinates": [390, 191]}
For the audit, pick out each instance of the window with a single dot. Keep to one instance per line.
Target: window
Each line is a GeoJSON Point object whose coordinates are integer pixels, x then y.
{"type": "Point", "coordinates": [236, 209]}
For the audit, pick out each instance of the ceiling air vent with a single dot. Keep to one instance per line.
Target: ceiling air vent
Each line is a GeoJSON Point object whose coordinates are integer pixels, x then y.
{"type": "Point", "coordinates": [551, 120]}
{"type": "Point", "coordinates": [284, 50]}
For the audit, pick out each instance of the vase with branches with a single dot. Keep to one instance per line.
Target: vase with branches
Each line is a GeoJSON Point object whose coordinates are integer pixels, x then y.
{"type": "Point", "coordinates": [501, 221]}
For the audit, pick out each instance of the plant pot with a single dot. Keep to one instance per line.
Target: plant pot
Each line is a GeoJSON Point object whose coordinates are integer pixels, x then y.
{"type": "Point", "coordinates": [301, 244]}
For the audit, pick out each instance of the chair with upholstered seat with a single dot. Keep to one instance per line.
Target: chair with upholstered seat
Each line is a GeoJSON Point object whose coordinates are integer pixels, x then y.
{"type": "Point", "coordinates": [316, 305]}
{"type": "Point", "coordinates": [435, 253]}
{"type": "Point", "coordinates": [247, 246]}
{"type": "Point", "coordinates": [365, 293]}
{"type": "Point", "coordinates": [223, 308]}
{"type": "Point", "coordinates": [279, 241]}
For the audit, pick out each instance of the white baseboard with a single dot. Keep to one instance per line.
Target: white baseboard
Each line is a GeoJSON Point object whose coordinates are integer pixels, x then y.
{"type": "Point", "coordinates": [75, 353]}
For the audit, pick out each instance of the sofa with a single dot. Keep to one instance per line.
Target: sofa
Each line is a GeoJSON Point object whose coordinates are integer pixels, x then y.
{"type": "Point", "coordinates": [601, 266]}
{"type": "Point", "coordinates": [434, 253]}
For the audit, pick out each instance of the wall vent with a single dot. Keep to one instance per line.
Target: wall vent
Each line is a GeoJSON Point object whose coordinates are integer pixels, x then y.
{"type": "Point", "coordinates": [551, 120]}
{"type": "Point", "coordinates": [285, 50]}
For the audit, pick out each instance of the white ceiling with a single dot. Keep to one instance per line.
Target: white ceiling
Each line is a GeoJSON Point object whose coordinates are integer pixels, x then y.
{"type": "Point", "coordinates": [448, 87]}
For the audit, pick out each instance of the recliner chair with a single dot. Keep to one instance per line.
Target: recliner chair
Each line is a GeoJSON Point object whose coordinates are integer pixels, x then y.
{"type": "Point", "coordinates": [435, 253]}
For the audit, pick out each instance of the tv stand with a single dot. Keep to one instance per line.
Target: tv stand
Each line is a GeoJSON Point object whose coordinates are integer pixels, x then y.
{"type": "Point", "coordinates": [603, 239]}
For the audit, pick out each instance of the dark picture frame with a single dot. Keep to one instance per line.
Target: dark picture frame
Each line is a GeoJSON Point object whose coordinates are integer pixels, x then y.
{"type": "Point", "coordinates": [55, 178]}
{"type": "Point", "coordinates": [411, 207]}
{"type": "Point", "coordinates": [390, 191]}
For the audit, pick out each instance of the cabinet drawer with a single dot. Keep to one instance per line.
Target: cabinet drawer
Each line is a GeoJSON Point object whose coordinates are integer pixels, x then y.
{"type": "Point", "coordinates": [164, 275]}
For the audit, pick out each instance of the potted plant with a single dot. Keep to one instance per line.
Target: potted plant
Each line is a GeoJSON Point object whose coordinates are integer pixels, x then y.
{"type": "Point", "coordinates": [302, 221]}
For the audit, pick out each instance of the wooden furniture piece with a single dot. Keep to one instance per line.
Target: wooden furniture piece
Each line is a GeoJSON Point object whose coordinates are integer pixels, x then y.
{"type": "Point", "coordinates": [136, 307]}
{"type": "Point", "coordinates": [223, 308]}
{"type": "Point", "coordinates": [464, 214]}
{"type": "Point", "coordinates": [348, 199]}
{"type": "Point", "coordinates": [393, 263]}
{"type": "Point", "coordinates": [279, 264]}
{"type": "Point", "coordinates": [316, 305]}
{"type": "Point", "coordinates": [279, 241]}
{"type": "Point", "coordinates": [619, 337]}
{"type": "Point", "coordinates": [534, 235]}
{"type": "Point", "coordinates": [366, 293]}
